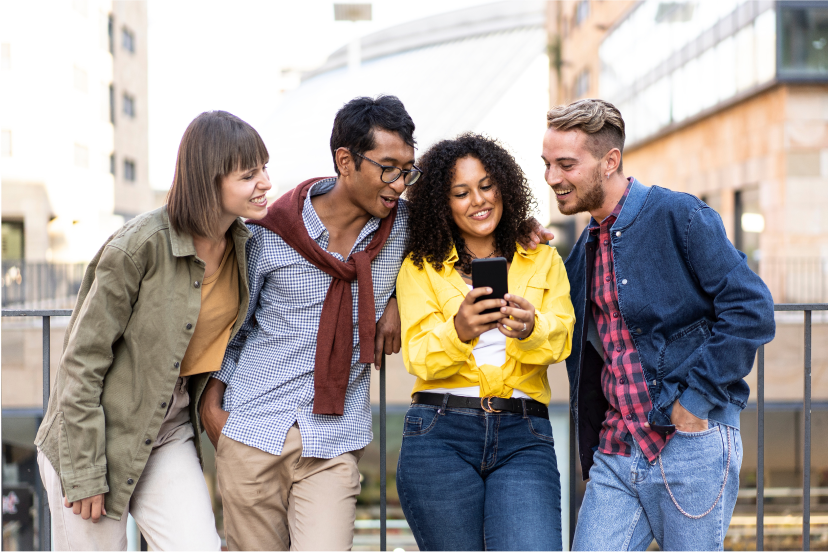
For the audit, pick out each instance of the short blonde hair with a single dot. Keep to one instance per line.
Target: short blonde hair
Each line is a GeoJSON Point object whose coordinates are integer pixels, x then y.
{"type": "Point", "coordinates": [599, 119]}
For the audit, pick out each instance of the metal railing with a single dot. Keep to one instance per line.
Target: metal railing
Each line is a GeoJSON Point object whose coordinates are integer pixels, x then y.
{"type": "Point", "coordinates": [44, 519]}
{"type": "Point", "coordinates": [32, 284]}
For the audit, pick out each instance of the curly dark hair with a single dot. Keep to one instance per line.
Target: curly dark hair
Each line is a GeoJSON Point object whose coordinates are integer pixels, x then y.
{"type": "Point", "coordinates": [432, 228]}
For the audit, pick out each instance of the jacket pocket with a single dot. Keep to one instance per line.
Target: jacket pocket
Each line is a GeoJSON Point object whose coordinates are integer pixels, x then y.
{"type": "Point", "coordinates": [681, 347]}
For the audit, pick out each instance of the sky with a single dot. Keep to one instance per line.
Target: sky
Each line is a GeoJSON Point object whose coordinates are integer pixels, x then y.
{"type": "Point", "coordinates": [211, 54]}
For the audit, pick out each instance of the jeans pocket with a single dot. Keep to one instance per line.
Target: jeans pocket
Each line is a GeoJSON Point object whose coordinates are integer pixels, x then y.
{"type": "Point", "coordinates": [694, 468]}
{"type": "Point", "coordinates": [419, 421]}
{"type": "Point", "coordinates": [540, 428]}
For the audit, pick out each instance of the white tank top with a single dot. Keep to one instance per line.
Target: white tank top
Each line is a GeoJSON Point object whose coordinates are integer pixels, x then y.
{"type": "Point", "coordinates": [490, 349]}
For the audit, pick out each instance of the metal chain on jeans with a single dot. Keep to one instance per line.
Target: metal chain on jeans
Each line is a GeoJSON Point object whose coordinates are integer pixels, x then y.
{"type": "Point", "coordinates": [721, 491]}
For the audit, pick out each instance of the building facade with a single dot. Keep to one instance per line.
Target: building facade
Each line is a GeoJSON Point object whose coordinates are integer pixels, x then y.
{"type": "Point", "coordinates": [74, 161]}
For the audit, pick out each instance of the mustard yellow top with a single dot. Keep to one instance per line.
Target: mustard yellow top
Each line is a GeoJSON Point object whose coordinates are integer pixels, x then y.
{"type": "Point", "coordinates": [428, 301]}
{"type": "Point", "coordinates": [219, 309]}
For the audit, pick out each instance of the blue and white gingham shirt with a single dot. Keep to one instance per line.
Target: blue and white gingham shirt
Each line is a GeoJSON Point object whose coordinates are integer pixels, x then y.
{"type": "Point", "coordinates": [269, 365]}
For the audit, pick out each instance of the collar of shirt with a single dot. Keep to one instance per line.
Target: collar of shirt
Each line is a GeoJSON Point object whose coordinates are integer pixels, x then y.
{"type": "Point", "coordinates": [594, 226]}
{"type": "Point", "coordinates": [316, 229]}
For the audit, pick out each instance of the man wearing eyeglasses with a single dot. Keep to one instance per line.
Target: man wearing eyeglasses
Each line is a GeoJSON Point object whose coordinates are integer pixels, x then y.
{"type": "Point", "coordinates": [295, 381]}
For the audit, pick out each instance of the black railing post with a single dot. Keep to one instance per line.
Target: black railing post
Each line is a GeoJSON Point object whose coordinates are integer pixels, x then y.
{"type": "Point", "coordinates": [760, 457]}
{"type": "Point", "coordinates": [573, 515]}
{"type": "Point", "coordinates": [383, 444]}
{"type": "Point", "coordinates": [806, 457]}
{"type": "Point", "coordinates": [45, 529]}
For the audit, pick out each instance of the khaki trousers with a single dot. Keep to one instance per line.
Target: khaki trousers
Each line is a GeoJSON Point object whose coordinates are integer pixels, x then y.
{"type": "Point", "coordinates": [286, 502]}
{"type": "Point", "coordinates": [170, 504]}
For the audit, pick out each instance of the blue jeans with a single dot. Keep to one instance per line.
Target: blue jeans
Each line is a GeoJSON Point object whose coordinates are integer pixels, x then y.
{"type": "Point", "coordinates": [470, 480]}
{"type": "Point", "coordinates": [627, 502]}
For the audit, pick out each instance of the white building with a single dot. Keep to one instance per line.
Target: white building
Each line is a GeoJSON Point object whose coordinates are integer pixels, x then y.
{"type": "Point", "coordinates": [73, 120]}
{"type": "Point", "coordinates": [481, 69]}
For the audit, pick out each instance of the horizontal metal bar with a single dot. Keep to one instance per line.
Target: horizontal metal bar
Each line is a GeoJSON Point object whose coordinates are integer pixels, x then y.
{"type": "Point", "coordinates": [800, 306]}
{"type": "Point", "coordinates": [36, 312]}
{"type": "Point", "coordinates": [782, 492]}
{"type": "Point", "coordinates": [68, 312]}
{"type": "Point", "coordinates": [786, 406]}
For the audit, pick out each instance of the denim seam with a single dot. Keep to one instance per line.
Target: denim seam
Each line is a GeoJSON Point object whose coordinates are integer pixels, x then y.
{"type": "Point", "coordinates": [632, 528]}
{"type": "Point", "coordinates": [539, 435]}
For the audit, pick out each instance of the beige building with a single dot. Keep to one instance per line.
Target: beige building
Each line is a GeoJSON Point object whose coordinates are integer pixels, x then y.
{"type": "Point", "coordinates": [74, 159]}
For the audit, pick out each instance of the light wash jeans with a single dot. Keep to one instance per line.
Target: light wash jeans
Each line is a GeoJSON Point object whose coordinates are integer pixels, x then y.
{"type": "Point", "coordinates": [628, 504]}
{"type": "Point", "coordinates": [470, 480]}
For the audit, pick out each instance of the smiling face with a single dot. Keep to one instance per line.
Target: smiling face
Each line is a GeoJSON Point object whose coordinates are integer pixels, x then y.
{"type": "Point", "coordinates": [365, 187]}
{"type": "Point", "coordinates": [243, 193]}
{"type": "Point", "coordinates": [572, 172]}
{"type": "Point", "coordinates": [476, 205]}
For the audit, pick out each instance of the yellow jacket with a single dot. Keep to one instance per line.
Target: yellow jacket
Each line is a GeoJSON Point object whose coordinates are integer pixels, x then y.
{"type": "Point", "coordinates": [428, 301]}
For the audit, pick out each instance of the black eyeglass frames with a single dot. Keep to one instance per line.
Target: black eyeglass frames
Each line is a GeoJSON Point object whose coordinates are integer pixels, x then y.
{"type": "Point", "coordinates": [392, 174]}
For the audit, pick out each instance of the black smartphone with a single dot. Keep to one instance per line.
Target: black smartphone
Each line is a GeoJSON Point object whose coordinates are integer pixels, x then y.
{"type": "Point", "coordinates": [490, 273]}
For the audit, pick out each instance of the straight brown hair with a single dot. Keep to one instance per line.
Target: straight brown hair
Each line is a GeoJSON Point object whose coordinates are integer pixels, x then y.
{"type": "Point", "coordinates": [214, 145]}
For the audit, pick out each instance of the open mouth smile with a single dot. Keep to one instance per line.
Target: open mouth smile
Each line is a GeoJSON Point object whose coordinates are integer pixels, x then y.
{"type": "Point", "coordinates": [259, 200]}
{"type": "Point", "coordinates": [481, 215]}
{"type": "Point", "coordinates": [389, 202]}
{"type": "Point", "coordinates": [563, 193]}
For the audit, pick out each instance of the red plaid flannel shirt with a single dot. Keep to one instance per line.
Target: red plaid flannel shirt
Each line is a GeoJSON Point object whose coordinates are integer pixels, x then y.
{"type": "Point", "coordinates": [622, 378]}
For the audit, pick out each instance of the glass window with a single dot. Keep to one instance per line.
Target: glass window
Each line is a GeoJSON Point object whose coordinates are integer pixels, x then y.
{"type": "Point", "coordinates": [128, 40]}
{"type": "Point", "coordinates": [129, 105]}
{"type": "Point", "coordinates": [804, 40]}
{"type": "Point", "coordinates": [129, 170]}
{"type": "Point", "coordinates": [12, 240]}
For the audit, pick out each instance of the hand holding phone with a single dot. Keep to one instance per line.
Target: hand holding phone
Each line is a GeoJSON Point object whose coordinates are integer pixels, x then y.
{"type": "Point", "coordinates": [491, 273]}
{"type": "Point", "coordinates": [480, 310]}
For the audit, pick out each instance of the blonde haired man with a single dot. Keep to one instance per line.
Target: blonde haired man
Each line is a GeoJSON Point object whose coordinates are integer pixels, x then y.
{"type": "Point", "coordinates": [669, 317]}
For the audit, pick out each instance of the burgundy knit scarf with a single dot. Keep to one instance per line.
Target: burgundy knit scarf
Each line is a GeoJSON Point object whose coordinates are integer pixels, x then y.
{"type": "Point", "coordinates": [334, 339]}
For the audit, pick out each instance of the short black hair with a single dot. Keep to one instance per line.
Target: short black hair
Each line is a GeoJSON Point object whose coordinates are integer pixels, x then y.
{"type": "Point", "coordinates": [355, 122]}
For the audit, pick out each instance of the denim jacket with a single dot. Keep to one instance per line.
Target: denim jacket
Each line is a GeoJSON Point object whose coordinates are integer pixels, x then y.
{"type": "Point", "coordinates": [695, 310]}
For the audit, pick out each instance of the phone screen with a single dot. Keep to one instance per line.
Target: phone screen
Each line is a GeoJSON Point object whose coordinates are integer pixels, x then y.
{"type": "Point", "coordinates": [491, 273]}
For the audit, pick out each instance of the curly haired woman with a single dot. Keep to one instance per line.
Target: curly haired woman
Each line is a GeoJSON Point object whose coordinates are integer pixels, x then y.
{"type": "Point", "coordinates": [477, 468]}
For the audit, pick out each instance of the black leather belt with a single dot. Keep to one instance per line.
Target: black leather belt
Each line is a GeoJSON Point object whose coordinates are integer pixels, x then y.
{"type": "Point", "coordinates": [488, 404]}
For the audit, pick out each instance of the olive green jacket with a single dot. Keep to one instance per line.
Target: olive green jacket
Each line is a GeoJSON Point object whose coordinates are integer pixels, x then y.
{"type": "Point", "coordinates": [136, 312]}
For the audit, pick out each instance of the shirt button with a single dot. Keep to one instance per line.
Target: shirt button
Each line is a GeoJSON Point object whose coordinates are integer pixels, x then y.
{"type": "Point", "coordinates": [639, 331]}
{"type": "Point", "coordinates": [190, 326]}
{"type": "Point", "coordinates": [624, 282]}
{"type": "Point", "coordinates": [622, 380]}
{"type": "Point", "coordinates": [196, 284]}
{"type": "Point", "coordinates": [615, 315]}
{"type": "Point", "coordinates": [630, 416]}
{"type": "Point", "coordinates": [163, 405]}
{"type": "Point", "coordinates": [130, 481]}
{"type": "Point", "coordinates": [176, 364]}
{"type": "Point", "coordinates": [607, 278]}
{"type": "Point", "coordinates": [618, 348]}
{"type": "Point", "coordinates": [147, 442]}
{"type": "Point", "coordinates": [606, 242]}
{"type": "Point", "coordinates": [618, 234]}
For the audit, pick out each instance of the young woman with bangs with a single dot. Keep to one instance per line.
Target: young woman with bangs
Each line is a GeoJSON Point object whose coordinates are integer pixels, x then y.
{"type": "Point", "coordinates": [155, 311]}
{"type": "Point", "coordinates": [477, 468]}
